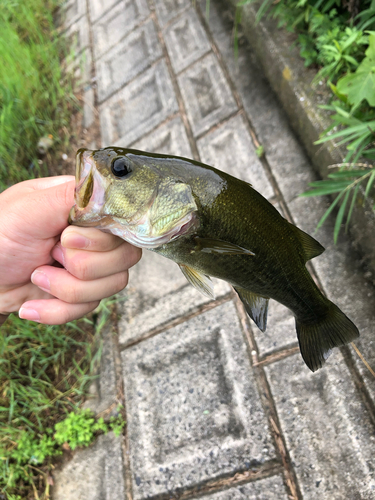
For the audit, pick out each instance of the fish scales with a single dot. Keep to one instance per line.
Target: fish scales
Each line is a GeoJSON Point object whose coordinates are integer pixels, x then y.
{"type": "Point", "coordinates": [211, 224]}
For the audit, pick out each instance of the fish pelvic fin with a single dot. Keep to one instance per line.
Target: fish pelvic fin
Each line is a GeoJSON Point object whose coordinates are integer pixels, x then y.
{"type": "Point", "coordinates": [200, 281]}
{"type": "Point", "coordinates": [256, 307]}
{"type": "Point", "coordinates": [311, 247]}
{"type": "Point", "coordinates": [316, 340]}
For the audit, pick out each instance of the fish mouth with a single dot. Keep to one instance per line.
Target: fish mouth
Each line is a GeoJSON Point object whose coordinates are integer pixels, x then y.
{"type": "Point", "coordinates": [89, 194]}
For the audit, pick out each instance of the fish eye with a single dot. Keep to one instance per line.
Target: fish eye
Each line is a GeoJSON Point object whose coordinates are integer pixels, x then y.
{"type": "Point", "coordinates": [120, 167]}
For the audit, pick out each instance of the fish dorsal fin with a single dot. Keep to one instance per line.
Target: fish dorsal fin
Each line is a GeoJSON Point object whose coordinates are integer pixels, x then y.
{"type": "Point", "coordinates": [214, 246]}
{"type": "Point", "coordinates": [199, 280]}
{"type": "Point", "coordinates": [311, 247]}
{"type": "Point", "coordinates": [256, 307]}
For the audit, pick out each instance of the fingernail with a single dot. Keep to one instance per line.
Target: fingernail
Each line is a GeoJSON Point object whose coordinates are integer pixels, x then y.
{"type": "Point", "coordinates": [75, 240]}
{"type": "Point", "coordinates": [30, 314]}
{"type": "Point", "coordinates": [41, 280]}
{"type": "Point", "coordinates": [58, 254]}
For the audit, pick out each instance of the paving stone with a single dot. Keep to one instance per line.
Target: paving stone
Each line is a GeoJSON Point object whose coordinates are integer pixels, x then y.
{"type": "Point", "coordinates": [271, 488]}
{"type": "Point", "coordinates": [125, 118]}
{"type": "Point", "coordinates": [194, 411]}
{"type": "Point", "coordinates": [206, 94]}
{"type": "Point", "coordinates": [103, 390]}
{"type": "Point", "coordinates": [158, 293]}
{"type": "Point", "coordinates": [288, 161]}
{"type": "Point", "coordinates": [99, 7]}
{"type": "Point", "coordinates": [168, 9]}
{"type": "Point", "coordinates": [186, 40]}
{"type": "Point", "coordinates": [117, 23]}
{"type": "Point", "coordinates": [78, 35]}
{"type": "Point", "coordinates": [94, 473]}
{"type": "Point", "coordinates": [127, 59]}
{"type": "Point", "coordinates": [168, 139]}
{"type": "Point", "coordinates": [342, 278]}
{"type": "Point", "coordinates": [327, 429]}
{"type": "Point", "coordinates": [280, 333]}
{"type": "Point", "coordinates": [72, 10]}
{"type": "Point", "coordinates": [230, 148]}
{"type": "Point", "coordinates": [88, 107]}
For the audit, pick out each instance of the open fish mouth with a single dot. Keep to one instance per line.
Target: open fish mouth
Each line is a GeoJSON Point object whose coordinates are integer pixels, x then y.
{"type": "Point", "coordinates": [89, 195]}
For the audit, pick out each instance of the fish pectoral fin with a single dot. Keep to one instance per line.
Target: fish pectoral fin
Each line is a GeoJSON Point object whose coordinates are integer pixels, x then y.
{"type": "Point", "coordinates": [200, 281]}
{"type": "Point", "coordinates": [311, 247]}
{"type": "Point", "coordinates": [214, 246]}
{"type": "Point", "coordinates": [256, 307]}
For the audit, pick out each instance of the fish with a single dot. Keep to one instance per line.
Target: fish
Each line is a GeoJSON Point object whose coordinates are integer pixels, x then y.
{"type": "Point", "coordinates": [212, 225]}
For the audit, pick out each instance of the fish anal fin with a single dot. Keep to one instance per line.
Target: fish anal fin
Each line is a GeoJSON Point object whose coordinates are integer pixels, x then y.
{"type": "Point", "coordinates": [200, 281]}
{"type": "Point", "coordinates": [316, 340]}
{"type": "Point", "coordinates": [311, 247]}
{"type": "Point", "coordinates": [214, 246]}
{"type": "Point", "coordinates": [256, 307]}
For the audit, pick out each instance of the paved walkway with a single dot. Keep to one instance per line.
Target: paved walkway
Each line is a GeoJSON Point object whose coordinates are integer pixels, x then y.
{"type": "Point", "coordinates": [215, 408]}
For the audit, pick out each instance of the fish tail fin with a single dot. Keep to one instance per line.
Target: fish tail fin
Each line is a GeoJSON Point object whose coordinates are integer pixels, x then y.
{"type": "Point", "coordinates": [317, 339]}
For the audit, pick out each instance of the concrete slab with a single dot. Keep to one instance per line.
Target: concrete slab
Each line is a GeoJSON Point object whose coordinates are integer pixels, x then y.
{"type": "Point", "coordinates": [72, 10]}
{"type": "Point", "coordinates": [194, 411]}
{"type": "Point", "coordinates": [230, 148]}
{"type": "Point", "coordinates": [186, 40]}
{"type": "Point", "coordinates": [168, 139]}
{"type": "Point", "coordinates": [157, 294]}
{"type": "Point", "coordinates": [271, 488]}
{"type": "Point", "coordinates": [280, 333]}
{"type": "Point", "coordinates": [206, 94]}
{"type": "Point", "coordinates": [78, 36]}
{"type": "Point", "coordinates": [99, 7]}
{"type": "Point", "coordinates": [168, 9]}
{"type": "Point", "coordinates": [117, 23]}
{"type": "Point", "coordinates": [127, 59]}
{"type": "Point", "coordinates": [94, 473]}
{"type": "Point", "coordinates": [327, 429]}
{"type": "Point", "coordinates": [89, 110]}
{"type": "Point", "coordinates": [125, 118]}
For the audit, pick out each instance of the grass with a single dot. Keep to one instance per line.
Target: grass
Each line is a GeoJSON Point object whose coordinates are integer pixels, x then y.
{"type": "Point", "coordinates": [36, 95]}
{"type": "Point", "coordinates": [44, 373]}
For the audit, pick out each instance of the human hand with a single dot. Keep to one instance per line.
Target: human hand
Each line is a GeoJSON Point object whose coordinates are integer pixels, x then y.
{"type": "Point", "coordinates": [33, 216]}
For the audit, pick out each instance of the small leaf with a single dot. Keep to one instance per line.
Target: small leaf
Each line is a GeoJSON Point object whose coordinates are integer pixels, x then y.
{"type": "Point", "coordinates": [355, 193]}
{"type": "Point", "coordinates": [348, 173]}
{"type": "Point", "coordinates": [340, 217]}
{"type": "Point", "coordinates": [329, 210]}
{"type": "Point", "coordinates": [370, 183]}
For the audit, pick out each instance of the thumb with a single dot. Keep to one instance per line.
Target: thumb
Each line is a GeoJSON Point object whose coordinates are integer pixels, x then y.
{"type": "Point", "coordinates": [46, 210]}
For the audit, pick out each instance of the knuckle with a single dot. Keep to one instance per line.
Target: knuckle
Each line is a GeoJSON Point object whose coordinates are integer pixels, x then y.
{"type": "Point", "coordinates": [78, 266]}
{"type": "Point", "coordinates": [122, 281]}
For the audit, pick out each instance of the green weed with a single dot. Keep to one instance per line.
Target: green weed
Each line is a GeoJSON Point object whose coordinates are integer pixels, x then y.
{"type": "Point", "coordinates": [35, 89]}
{"type": "Point", "coordinates": [44, 373]}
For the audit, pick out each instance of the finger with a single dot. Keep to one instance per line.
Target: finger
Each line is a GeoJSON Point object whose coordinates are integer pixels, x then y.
{"type": "Point", "coordinates": [54, 311]}
{"type": "Point", "coordinates": [89, 266]}
{"type": "Point", "coordinates": [38, 184]}
{"type": "Point", "coordinates": [45, 212]}
{"type": "Point", "coordinates": [89, 238]}
{"type": "Point", "coordinates": [11, 300]}
{"type": "Point", "coordinates": [62, 285]}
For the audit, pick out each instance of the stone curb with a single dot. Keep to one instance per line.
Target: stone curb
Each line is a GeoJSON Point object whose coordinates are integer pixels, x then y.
{"type": "Point", "coordinates": [292, 82]}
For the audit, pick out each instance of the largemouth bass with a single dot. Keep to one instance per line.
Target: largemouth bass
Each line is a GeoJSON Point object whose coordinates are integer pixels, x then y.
{"type": "Point", "coordinates": [211, 224]}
